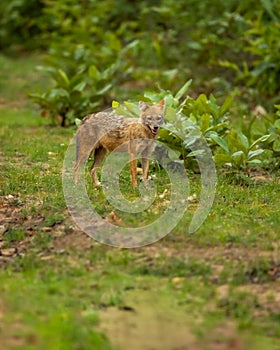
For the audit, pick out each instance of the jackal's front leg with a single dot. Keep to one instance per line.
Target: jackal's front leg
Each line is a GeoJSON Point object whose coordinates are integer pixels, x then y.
{"type": "Point", "coordinates": [145, 168]}
{"type": "Point", "coordinates": [133, 172]}
{"type": "Point", "coordinates": [133, 163]}
{"type": "Point", "coordinates": [146, 155]}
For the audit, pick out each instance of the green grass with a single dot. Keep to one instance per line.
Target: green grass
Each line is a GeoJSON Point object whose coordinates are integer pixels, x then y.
{"type": "Point", "coordinates": [221, 284]}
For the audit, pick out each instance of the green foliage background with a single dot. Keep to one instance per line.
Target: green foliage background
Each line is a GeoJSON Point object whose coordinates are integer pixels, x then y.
{"type": "Point", "coordinates": [99, 51]}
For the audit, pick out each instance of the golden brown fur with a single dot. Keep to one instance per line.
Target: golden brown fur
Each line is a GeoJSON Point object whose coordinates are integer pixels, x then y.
{"type": "Point", "coordinates": [104, 132]}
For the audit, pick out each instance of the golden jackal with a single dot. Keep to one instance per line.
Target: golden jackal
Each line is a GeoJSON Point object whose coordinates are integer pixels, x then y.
{"type": "Point", "coordinates": [105, 131]}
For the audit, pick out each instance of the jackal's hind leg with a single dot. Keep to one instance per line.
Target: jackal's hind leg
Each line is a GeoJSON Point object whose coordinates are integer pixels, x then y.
{"type": "Point", "coordinates": [84, 146]}
{"type": "Point", "coordinates": [99, 155]}
{"type": "Point", "coordinates": [81, 159]}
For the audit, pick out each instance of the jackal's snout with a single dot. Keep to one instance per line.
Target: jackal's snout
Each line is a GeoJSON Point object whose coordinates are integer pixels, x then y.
{"type": "Point", "coordinates": [155, 129]}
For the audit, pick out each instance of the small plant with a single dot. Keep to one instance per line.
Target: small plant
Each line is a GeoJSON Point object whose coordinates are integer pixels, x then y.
{"type": "Point", "coordinates": [273, 143]}
{"type": "Point", "coordinates": [238, 152]}
{"type": "Point", "coordinates": [267, 124]}
{"type": "Point", "coordinates": [65, 99]}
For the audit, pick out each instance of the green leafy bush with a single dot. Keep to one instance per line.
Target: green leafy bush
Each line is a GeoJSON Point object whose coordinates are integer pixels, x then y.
{"type": "Point", "coordinates": [81, 86]}
{"type": "Point", "coordinates": [65, 99]}
{"type": "Point", "coordinates": [21, 23]}
{"type": "Point", "coordinates": [189, 122]}
{"type": "Point", "coordinates": [113, 50]}
{"type": "Point", "coordinates": [237, 150]}
{"type": "Point", "coordinates": [259, 70]}
{"type": "Point", "coordinates": [268, 124]}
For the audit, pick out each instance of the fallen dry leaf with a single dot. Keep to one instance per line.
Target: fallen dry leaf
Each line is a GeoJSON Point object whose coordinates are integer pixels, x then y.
{"type": "Point", "coordinates": [8, 251]}
{"type": "Point", "coordinates": [47, 229]}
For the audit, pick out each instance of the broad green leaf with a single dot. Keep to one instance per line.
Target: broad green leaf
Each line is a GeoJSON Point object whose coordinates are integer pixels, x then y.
{"type": "Point", "coordinates": [220, 141]}
{"type": "Point", "coordinates": [260, 139]}
{"type": "Point", "coordinates": [226, 106]}
{"type": "Point", "coordinates": [237, 154]}
{"type": "Point", "coordinates": [75, 97]}
{"type": "Point", "coordinates": [244, 140]}
{"type": "Point", "coordinates": [152, 96]}
{"type": "Point", "coordinates": [58, 93]}
{"type": "Point", "coordinates": [253, 154]}
{"type": "Point", "coordinates": [218, 126]}
{"type": "Point", "coordinates": [63, 77]}
{"type": "Point", "coordinates": [195, 45]}
{"type": "Point", "coordinates": [254, 161]}
{"type": "Point", "coordinates": [114, 42]}
{"type": "Point", "coordinates": [234, 142]}
{"type": "Point", "coordinates": [171, 140]}
{"type": "Point", "coordinates": [80, 87]}
{"type": "Point", "coordinates": [76, 80]}
{"type": "Point", "coordinates": [131, 45]}
{"type": "Point", "coordinates": [104, 89]}
{"type": "Point", "coordinates": [261, 68]}
{"type": "Point", "coordinates": [204, 122]}
{"type": "Point", "coordinates": [214, 107]}
{"type": "Point", "coordinates": [94, 73]}
{"type": "Point", "coordinates": [170, 114]}
{"type": "Point", "coordinates": [228, 64]}
{"type": "Point", "coordinates": [202, 102]}
{"type": "Point", "coordinates": [108, 74]}
{"type": "Point", "coordinates": [173, 154]}
{"type": "Point", "coordinates": [198, 152]}
{"type": "Point", "coordinates": [171, 101]}
{"type": "Point", "coordinates": [121, 110]}
{"type": "Point", "coordinates": [277, 124]}
{"type": "Point", "coordinates": [221, 158]}
{"type": "Point", "coordinates": [190, 141]}
{"type": "Point", "coordinates": [132, 108]}
{"type": "Point", "coordinates": [278, 109]}
{"type": "Point", "coordinates": [183, 89]}
{"type": "Point", "coordinates": [238, 158]}
{"type": "Point", "coordinates": [77, 121]}
{"type": "Point", "coordinates": [276, 145]}
{"type": "Point", "coordinates": [182, 104]}
{"type": "Point", "coordinates": [35, 94]}
{"type": "Point", "coordinates": [171, 73]}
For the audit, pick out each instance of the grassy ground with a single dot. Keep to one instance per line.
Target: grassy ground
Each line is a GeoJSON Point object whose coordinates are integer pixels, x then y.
{"type": "Point", "coordinates": [216, 289]}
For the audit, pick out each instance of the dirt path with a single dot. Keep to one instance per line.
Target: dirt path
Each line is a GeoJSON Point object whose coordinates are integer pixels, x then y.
{"type": "Point", "coordinates": [148, 322]}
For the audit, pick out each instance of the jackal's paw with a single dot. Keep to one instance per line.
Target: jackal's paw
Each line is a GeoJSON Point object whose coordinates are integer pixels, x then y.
{"type": "Point", "coordinates": [134, 185]}
{"type": "Point", "coordinates": [146, 182]}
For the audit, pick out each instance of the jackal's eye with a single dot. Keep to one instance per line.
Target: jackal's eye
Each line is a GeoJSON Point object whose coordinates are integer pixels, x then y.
{"type": "Point", "coordinates": [148, 118]}
{"type": "Point", "coordinates": [159, 119]}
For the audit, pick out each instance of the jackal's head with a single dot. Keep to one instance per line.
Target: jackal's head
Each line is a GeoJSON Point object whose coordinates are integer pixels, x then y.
{"type": "Point", "coordinates": [152, 115]}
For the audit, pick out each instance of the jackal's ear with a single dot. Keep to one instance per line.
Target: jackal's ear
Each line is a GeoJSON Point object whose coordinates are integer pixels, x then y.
{"type": "Point", "coordinates": [162, 104]}
{"type": "Point", "coordinates": [143, 106]}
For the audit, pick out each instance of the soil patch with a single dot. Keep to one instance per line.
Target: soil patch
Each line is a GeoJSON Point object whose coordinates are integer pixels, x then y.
{"type": "Point", "coordinates": [148, 322]}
